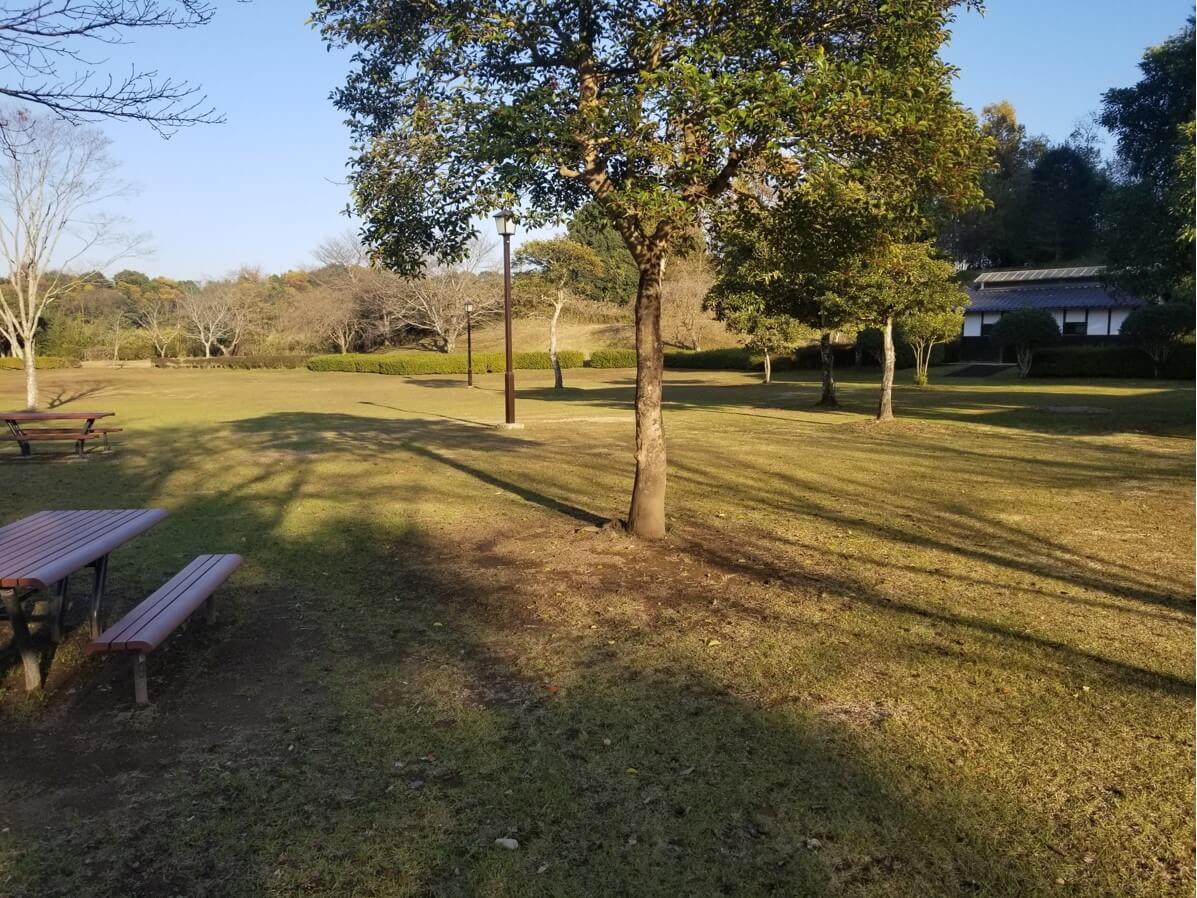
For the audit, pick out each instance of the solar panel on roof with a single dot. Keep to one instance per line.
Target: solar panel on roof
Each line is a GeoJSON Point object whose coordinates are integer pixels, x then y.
{"type": "Point", "coordinates": [1039, 274]}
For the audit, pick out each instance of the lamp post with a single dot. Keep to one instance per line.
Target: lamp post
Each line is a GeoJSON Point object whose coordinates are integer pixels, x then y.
{"type": "Point", "coordinates": [505, 225]}
{"type": "Point", "coordinates": [469, 345]}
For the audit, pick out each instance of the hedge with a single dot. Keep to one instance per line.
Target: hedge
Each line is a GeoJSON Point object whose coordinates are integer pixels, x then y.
{"type": "Point", "coordinates": [242, 362]}
{"type": "Point", "coordinates": [732, 358]}
{"type": "Point", "coordinates": [613, 358]}
{"type": "Point", "coordinates": [414, 363]}
{"type": "Point", "coordinates": [1110, 361]}
{"type": "Point", "coordinates": [41, 362]}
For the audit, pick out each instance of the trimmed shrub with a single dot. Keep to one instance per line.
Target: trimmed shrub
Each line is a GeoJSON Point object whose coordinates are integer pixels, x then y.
{"type": "Point", "coordinates": [238, 362]}
{"type": "Point", "coordinates": [613, 358]}
{"type": "Point", "coordinates": [417, 363]}
{"type": "Point", "coordinates": [731, 358]}
{"type": "Point", "coordinates": [1111, 361]}
{"type": "Point", "coordinates": [41, 363]}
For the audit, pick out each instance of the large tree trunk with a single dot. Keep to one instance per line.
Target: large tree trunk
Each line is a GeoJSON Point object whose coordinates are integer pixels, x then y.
{"type": "Point", "coordinates": [885, 406]}
{"type": "Point", "coordinates": [827, 357]}
{"type": "Point", "coordinates": [558, 381]}
{"type": "Point", "coordinates": [646, 518]}
{"type": "Point", "coordinates": [30, 377]}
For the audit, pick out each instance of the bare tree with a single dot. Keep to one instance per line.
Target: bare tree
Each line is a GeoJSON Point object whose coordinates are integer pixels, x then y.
{"type": "Point", "coordinates": [685, 319]}
{"type": "Point", "coordinates": [49, 221]}
{"type": "Point", "coordinates": [207, 315]}
{"type": "Point", "coordinates": [435, 304]}
{"type": "Point", "coordinates": [324, 315]}
{"type": "Point", "coordinates": [45, 47]}
{"type": "Point", "coordinates": [371, 292]}
{"type": "Point", "coordinates": [158, 318]}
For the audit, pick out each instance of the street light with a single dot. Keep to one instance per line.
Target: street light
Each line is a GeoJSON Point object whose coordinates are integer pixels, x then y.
{"type": "Point", "coordinates": [469, 346]}
{"type": "Point", "coordinates": [505, 225]}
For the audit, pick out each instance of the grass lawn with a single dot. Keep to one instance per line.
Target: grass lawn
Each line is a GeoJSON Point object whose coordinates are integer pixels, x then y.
{"type": "Point", "coordinates": [949, 657]}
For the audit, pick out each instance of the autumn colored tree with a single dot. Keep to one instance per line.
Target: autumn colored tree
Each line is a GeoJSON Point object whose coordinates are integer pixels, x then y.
{"type": "Point", "coordinates": [651, 109]}
{"type": "Point", "coordinates": [554, 270]}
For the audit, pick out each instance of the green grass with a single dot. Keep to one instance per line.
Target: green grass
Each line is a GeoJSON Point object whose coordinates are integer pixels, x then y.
{"type": "Point", "coordinates": [953, 656]}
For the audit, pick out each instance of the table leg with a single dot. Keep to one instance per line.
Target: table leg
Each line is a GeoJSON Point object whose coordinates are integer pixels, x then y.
{"type": "Point", "coordinates": [97, 594]}
{"type": "Point", "coordinates": [57, 603]}
{"type": "Point", "coordinates": [15, 429]}
{"type": "Point", "coordinates": [20, 636]}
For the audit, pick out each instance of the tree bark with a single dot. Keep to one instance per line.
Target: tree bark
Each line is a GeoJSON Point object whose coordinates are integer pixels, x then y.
{"type": "Point", "coordinates": [558, 381]}
{"type": "Point", "coordinates": [30, 377]}
{"type": "Point", "coordinates": [768, 368]}
{"type": "Point", "coordinates": [646, 517]}
{"type": "Point", "coordinates": [827, 357]}
{"type": "Point", "coordinates": [885, 406]}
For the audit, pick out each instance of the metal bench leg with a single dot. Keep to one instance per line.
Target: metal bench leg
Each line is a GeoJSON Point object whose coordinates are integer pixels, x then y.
{"type": "Point", "coordinates": [57, 603]}
{"type": "Point", "coordinates": [97, 594]}
{"type": "Point", "coordinates": [20, 636]}
{"type": "Point", "coordinates": [141, 690]}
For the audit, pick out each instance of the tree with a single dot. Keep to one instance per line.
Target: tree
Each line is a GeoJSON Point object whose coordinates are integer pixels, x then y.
{"type": "Point", "coordinates": [652, 109]}
{"type": "Point", "coordinates": [1025, 330]}
{"type": "Point", "coordinates": [435, 303]}
{"type": "Point", "coordinates": [1158, 329]}
{"type": "Point", "coordinates": [1148, 218]}
{"type": "Point", "coordinates": [619, 277]}
{"type": "Point", "coordinates": [555, 270]}
{"type": "Point", "coordinates": [158, 317]}
{"type": "Point", "coordinates": [768, 334]}
{"type": "Point", "coordinates": [49, 194]}
{"type": "Point", "coordinates": [899, 280]}
{"type": "Point", "coordinates": [685, 321]}
{"type": "Point", "coordinates": [1066, 190]}
{"type": "Point", "coordinates": [208, 315]}
{"type": "Point", "coordinates": [322, 315]}
{"type": "Point", "coordinates": [40, 38]}
{"type": "Point", "coordinates": [924, 329]}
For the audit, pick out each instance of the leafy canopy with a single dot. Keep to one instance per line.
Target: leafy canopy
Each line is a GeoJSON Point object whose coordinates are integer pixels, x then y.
{"type": "Point", "coordinates": [652, 107]}
{"type": "Point", "coordinates": [1026, 328]}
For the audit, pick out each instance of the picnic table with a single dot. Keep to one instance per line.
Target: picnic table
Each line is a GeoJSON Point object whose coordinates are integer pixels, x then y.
{"type": "Point", "coordinates": [19, 430]}
{"type": "Point", "coordinates": [42, 551]}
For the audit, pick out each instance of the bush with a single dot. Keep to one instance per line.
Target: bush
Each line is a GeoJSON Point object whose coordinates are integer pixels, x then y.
{"type": "Point", "coordinates": [1111, 361]}
{"type": "Point", "coordinates": [240, 362]}
{"type": "Point", "coordinates": [731, 358]}
{"type": "Point", "coordinates": [613, 358]}
{"type": "Point", "coordinates": [416, 363]}
{"type": "Point", "coordinates": [41, 363]}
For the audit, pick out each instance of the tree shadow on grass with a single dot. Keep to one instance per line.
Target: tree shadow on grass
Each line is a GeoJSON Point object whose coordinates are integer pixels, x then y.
{"type": "Point", "coordinates": [419, 706]}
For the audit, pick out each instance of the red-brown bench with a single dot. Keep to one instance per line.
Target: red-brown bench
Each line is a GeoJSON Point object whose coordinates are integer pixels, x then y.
{"type": "Point", "coordinates": [79, 434]}
{"type": "Point", "coordinates": [149, 624]}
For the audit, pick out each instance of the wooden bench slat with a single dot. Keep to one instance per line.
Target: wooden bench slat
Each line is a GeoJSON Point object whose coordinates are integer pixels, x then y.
{"type": "Point", "coordinates": [34, 436]}
{"type": "Point", "coordinates": [148, 625]}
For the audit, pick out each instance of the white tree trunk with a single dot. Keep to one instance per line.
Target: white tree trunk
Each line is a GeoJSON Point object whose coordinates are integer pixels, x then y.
{"type": "Point", "coordinates": [558, 381]}
{"type": "Point", "coordinates": [30, 377]}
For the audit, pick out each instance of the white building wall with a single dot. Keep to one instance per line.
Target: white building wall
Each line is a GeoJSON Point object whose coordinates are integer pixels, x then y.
{"type": "Point", "coordinates": [1119, 316]}
{"type": "Point", "coordinates": [972, 324]}
{"type": "Point", "coordinates": [1058, 314]}
{"type": "Point", "coordinates": [1098, 322]}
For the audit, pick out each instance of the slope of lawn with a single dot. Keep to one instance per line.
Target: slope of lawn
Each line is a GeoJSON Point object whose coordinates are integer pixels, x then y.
{"type": "Point", "coordinates": [949, 657]}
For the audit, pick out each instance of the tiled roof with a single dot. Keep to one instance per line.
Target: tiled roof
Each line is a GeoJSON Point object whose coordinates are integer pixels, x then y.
{"type": "Point", "coordinates": [1060, 296]}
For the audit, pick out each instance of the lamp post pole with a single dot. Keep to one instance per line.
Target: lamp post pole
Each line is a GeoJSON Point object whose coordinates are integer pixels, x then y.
{"type": "Point", "coordinates": [509, 372]}
{"type": "Point", "coordinates": [505, 224]}
{"type": "Point", "coordinates": [469, 346]}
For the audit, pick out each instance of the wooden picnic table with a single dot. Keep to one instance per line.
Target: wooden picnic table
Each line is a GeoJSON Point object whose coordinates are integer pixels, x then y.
{"type": "Point", "coordinates": [23, 435]}
{"type": "Point", "coordinates": [42, 551]}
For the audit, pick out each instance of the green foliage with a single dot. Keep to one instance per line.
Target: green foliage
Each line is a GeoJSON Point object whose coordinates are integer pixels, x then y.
{"type": "Point", "coordinates": [871, 342]}
{"type": "Point", "coordinates": [1111, 361]}
{"type": "Point", "coordinates": [1025, 330]}
{"type": "Point", "coordinates": [563, 104]}
{"type": "Point", "coordinates": [40, 362]}
{"type": "Point", "coordinates": [1148, 220]}
{"type": "Point", "coordinates": [1158, 329]}
{"type": "Point", "coordinates": [732, 358]}
{"type": "Point", "coordinates": [613, 358]}
{"type": "Point", "coordinates": [923, 329]}
{"type": "Point", "coordinates": [619, 278]}
{"type": "Point", "coordinates": [237, 362]}
{"type": "Point", "coordinates": [1026, 327]}
{"type": "Point", "coordinates": [1065, 195]}
{"type": "Point", "coordinates": [417, 363]}
{"type": "Point", "coordinates": [745, 313]}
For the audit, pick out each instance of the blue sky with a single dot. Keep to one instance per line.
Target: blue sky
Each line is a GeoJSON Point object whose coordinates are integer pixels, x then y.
{"type": "Point", "coordinates": [267, 186]}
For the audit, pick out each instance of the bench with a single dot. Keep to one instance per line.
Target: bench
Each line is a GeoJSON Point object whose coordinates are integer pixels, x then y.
{"type": "Point", "coordinates": [73, 434]}
{"type": "Point", "coordinates": [149, 624]}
